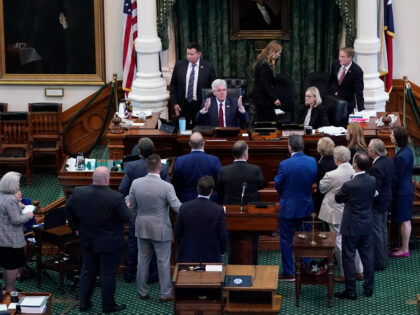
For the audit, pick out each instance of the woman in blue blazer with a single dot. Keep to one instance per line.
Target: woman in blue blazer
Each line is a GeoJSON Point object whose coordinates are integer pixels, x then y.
{"type": "Point", "coordinates": [403, 193]}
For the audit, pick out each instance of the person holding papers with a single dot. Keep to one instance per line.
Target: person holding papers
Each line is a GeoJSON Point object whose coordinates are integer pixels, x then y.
{"type": "Point", "coordinates": [314, 113]}
{"type": "Point", "coordinates": [12, 240]}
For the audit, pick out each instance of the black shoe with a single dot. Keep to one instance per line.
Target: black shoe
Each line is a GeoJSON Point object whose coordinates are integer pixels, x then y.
{"type": "Point", "coordinates": [346, 295]}
{"type": "Point", "coordinates": [116, 308]}
{"type": "Point", "coordinates": [368, 293]}
{"type": "Point", "coordinates": [85, 308]}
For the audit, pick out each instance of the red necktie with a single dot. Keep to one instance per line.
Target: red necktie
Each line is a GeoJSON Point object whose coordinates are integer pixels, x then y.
{"type": "Point", "coordinates": [221, 122]}
{"type": "Point", "coordinates": [343, 74]}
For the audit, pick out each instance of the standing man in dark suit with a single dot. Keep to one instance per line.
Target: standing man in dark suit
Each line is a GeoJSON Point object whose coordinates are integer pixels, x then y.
{"type": "Point", "coordinates": [134, 170]}
{"type": "Point", "coordinates": [189, 77]}
{"type": "Point", "coordinates": [191, 167]}
{"type": "Point", "coordinates": [222, 110]}
{"type": "Point", "coordinates": [200, 227]}
{"type": "Point", "coordinates": [356, 226]}
{"type": "Point", "coordinates": [383, 170]}
{"type": "Point", "coordinates": [294, 183]}
{"type": "Point", "coordinates": [238, 183]}
{"type": "Point", "coordinates": [98, 213]}
{"type": "Point", "coordinates": [346, 80]}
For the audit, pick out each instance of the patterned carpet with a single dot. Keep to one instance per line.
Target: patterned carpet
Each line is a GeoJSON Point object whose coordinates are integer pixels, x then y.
{"type": "Point", "coordinates": [395, 292]}
{"type": "Point", "coordinates": [395, 288]}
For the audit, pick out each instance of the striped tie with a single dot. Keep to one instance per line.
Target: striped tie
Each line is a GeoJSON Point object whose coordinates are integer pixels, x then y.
{"type": "Point", "coordinates": [191, 84]}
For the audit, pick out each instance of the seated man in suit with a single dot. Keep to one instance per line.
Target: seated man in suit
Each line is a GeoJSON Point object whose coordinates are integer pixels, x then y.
{"type": "Point", "coordinates": [221, 110]}
{"type": "Point", "coordinates": [200, 227]}
{"type": "Point", "coordinates": [191, 167]}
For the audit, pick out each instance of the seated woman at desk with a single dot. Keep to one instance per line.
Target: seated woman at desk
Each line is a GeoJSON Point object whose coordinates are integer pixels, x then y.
{"type": "Point", "coordinates": [355, 140]}
{"type": "Point", "coordinates": [314, 113]}
{"type": "Point", "coordinates": [12, 240]}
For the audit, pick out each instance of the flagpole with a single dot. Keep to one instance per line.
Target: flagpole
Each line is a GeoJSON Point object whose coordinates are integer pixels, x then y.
{"type": "Point", "coordinates": [405, 82]}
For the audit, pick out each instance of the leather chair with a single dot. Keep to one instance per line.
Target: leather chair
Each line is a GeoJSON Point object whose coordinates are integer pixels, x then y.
{"type": "Point", "coordinates": [16, 141]}
{"type": "Point", "coordinates": [336, 110]}
{"type": "Point", "coordinates": [3, 107]}
{"type": "Point", "coordinates": [241, 83]}
{"type": "Point", "coordinates": [231, 92]}
{"type": "Point", "coordinates": [318, 79]}
{"type": "Point", "coordinates": [47, 131]}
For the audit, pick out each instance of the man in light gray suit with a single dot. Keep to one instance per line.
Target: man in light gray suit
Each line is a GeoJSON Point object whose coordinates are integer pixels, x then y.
{"type": "Point", "coordinates": [332, 211]}
{"type": "Point", "coordinates": [152, 196]}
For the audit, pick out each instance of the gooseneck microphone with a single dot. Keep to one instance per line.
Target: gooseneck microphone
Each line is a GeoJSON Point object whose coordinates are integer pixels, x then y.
{"type": "Point", "coordinates": [244, 184]}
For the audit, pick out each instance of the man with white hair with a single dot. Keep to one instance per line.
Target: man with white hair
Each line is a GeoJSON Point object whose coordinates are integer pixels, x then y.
{"type": "Point", "coordinates": [98, 214]}
{"type": "Point", "coordinates": [221, 110]}
{"type": "Point", "coordinates": [383, 170]}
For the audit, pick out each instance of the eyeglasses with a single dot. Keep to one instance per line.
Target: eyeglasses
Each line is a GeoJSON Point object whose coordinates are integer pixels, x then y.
{"type": "Point", "coordinates": [309, 96]}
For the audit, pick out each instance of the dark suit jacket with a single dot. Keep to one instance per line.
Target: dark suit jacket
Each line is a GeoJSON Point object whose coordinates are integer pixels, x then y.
{"type": "Point", "coordinates": [264, 93]}
{"type": "Point", "coordinates": [200, 229]}
{"type": "Point", "coordinates": [318, 119]}
{"type": "Point", "coordinates": [383, 171]}
{"type": "Point", "coordinates": [189, 169]}
{"type": "Point", "coordinates": [137, 169]}
{"type": "Point", "coordinates": [403, 161]}
{"type": "Point", "coordinates": [294, 183]}
{"type": "Point", "coordinates": [206, 75]}
{"type": "Point", "coordinates": [231, 178]}
{"type": "Point", "coordinates": [357, 194]}
{"type": "Point", "coordinates": [99, 214]}
{"type": "Point", "coordinates": [234, 118]}
{"type": "Point", "coordinates": [351, 87]}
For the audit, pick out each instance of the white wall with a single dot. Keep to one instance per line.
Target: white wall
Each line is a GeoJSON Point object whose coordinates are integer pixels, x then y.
{"type": "Point", "coordinates": [18, 96]}
{"type": "Point", "coordinates": [406, 42]}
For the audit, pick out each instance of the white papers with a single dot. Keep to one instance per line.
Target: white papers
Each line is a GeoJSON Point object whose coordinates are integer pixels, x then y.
{"type": "Point", "coordinates": [332, 130]}
{"type": "Point", "coordinates": [12, 306]}
{"type": "Point", "coordinates": [138, 124]}
{"type": "Point", "coordinates": [188, 133]}
{"type": "Point", "coordinates": [3, 307]}
{"type": "Point", "coordinates": [33, 300]}
{"type": "Point", "coordinates": [214, 268]}
{"type": "Point", "coordinates": [278, 111]}
{"type": "Point", "coordinates": [28, 208]}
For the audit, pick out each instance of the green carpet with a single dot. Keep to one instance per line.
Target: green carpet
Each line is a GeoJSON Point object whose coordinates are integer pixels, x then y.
{"type": "Point", "coordinates": [395, 292]}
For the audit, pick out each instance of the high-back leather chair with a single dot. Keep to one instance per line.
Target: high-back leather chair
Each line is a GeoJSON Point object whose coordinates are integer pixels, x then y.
{"type": "Point", "coordinates": [3, 107]}
{"type": "Point", "coordinates": [336, 110]}
{"type": "Point", "coordinates": [231, 92]}
{"type": "Point", "coordinates": [16, 141]}
{"type": "Point", "coordinates": [318, 79]}
{"type": "Point", "coordinates": [47, 131]}
{"type": "Point", "coordinates": [234, 83]}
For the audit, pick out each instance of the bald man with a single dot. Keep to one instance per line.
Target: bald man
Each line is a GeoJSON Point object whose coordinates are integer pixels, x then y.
{"type": "Point", "coordinates": [191, 167]}
{"type": "Point", "coordinates": [98, 213]}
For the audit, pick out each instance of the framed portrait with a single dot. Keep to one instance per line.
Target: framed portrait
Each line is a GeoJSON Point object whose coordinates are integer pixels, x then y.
{"type": "Point", "coordinates": [259, 19]}
{"type": "Point", "coordinates": [52, 42]}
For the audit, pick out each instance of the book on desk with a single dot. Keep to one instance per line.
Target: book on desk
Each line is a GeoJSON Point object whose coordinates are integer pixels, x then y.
{"type": "Point", "coordinates": [32, 304]}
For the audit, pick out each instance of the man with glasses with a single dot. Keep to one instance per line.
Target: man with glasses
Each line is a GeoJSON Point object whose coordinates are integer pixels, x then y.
{"type": "Point", "coordinates": [221, 110]}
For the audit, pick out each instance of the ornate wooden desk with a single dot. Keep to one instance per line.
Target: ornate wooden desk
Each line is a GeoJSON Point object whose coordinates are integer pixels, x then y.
{"type": "Point", "coordinates": [265, 151]}
{"type": "Point", "coordinates": [322, 249]}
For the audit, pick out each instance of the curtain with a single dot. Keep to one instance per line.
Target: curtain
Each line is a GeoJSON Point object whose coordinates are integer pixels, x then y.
{"type": "Point", "coordinates": [312, 47]}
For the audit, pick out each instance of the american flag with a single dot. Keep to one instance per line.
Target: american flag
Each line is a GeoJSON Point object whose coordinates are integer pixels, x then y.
{"type": "Point", "coordinates": [129, 35]}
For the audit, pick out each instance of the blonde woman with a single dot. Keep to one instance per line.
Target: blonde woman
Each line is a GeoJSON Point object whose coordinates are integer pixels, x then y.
{"type": "Point", "coordinates": [314, 114]}
{"type": "Point", "coordinates": [355, 140]}
{"type": "Point", "coordinates": [264, 93]}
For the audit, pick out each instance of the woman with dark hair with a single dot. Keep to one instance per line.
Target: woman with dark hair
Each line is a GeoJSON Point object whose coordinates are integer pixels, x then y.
{"type": "Point", "coordinates": [264, 94]}
{"type": "Point", "coordinates": [403, 192]}
{"type": "Point", "coordinates": [314, 114]}
{"type": "Point", "coordinates": [355, 140]}
{"type": "Point", "coordinates": [12, 240]}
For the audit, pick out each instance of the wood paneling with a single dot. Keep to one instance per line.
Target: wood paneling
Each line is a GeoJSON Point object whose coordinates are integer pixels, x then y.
{"type": "Point", "coordinates": [395, 104]}
{"type": "Point", "coordinates": [86, 128]}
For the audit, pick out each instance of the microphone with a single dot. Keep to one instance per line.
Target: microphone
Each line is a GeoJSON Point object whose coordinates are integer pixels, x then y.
{"type": "Point", "coordinates": [244, 184]}
{"type": "Point", "coordinates": [249, 134]}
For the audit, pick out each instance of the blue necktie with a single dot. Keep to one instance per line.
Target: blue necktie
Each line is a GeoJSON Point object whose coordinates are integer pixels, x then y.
{"type": "Point", "coordinates": [191, 84]}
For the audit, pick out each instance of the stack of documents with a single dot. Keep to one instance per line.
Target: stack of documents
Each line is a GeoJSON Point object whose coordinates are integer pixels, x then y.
{"type": "Point", "coordinates": [33, 304]}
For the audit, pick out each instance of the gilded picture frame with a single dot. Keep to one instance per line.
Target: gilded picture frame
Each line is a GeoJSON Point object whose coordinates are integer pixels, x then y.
{"type": "Point", "coordinates": [259, 19]}
{"type": "Point", "coordinates": [52, 42]}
